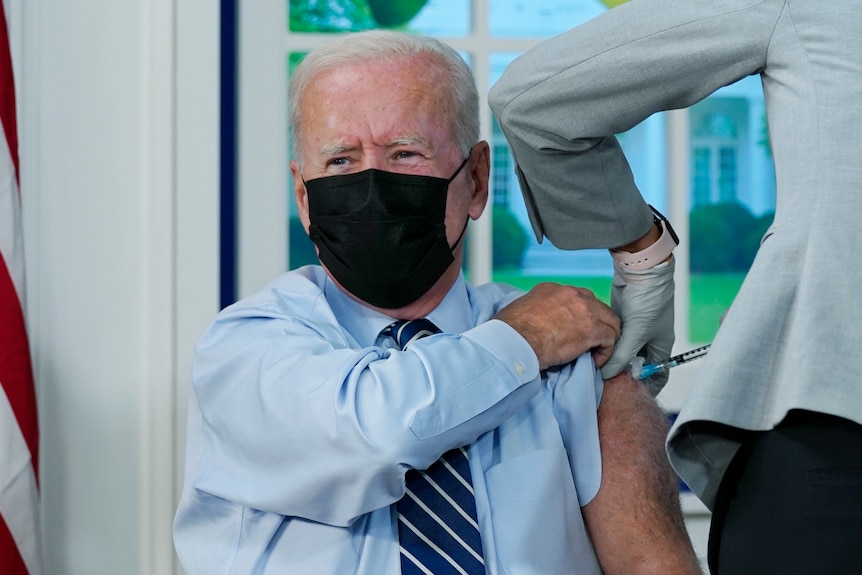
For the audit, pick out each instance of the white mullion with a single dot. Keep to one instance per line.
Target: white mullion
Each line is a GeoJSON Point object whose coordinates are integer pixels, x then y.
{"type": "Point", "coordinates": [677, 142]}
{"type": "Point", "coordinates": [480, 244]}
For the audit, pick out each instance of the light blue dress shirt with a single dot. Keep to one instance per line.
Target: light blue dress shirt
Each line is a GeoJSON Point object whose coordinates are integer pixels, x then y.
{"type": "Point", "coordinates": [301, 428]}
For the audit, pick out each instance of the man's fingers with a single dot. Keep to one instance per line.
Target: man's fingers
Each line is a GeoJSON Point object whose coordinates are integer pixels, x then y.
{"type": "Point", "coordinates": [602, 354]}
{"type": "Point", "coordinates": [563, 322]}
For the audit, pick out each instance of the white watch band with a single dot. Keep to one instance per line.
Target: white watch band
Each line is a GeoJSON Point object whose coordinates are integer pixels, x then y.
{"type": "Point", "coordinates": [652, 255]}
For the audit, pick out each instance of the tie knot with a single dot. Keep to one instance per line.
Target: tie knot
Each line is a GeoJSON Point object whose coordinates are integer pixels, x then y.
{"type": "Point", "coordinates": [406, 331]}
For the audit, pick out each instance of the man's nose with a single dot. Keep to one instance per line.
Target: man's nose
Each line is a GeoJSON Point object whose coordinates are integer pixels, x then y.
{"type": "Point", "coordinates": [372, 161]}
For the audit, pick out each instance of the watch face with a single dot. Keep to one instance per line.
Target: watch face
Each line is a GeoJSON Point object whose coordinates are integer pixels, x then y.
{"type": "Point", "coordinates": [672, 232]}
{"type": "Point", "coordinates": [659, 218]}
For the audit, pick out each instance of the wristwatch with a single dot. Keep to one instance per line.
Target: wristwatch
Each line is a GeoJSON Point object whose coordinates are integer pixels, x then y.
{"type": "Point", "coordinates": [654, 254]}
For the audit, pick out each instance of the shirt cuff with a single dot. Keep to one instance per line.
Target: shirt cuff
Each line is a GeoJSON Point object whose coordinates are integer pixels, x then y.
{"type": "Point", "coordinates": [513, 350]}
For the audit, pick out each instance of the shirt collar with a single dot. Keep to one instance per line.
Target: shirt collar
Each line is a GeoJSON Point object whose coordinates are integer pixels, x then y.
{"type": "Point", "coordinates": [453, 315]}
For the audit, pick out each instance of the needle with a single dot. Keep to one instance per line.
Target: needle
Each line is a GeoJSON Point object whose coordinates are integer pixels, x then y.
{"type": "Point", "coordinates": [653, 368]}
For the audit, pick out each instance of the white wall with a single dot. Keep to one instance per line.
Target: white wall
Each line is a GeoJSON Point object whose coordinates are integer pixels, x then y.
{"type": "Point", "coordinates": [118, 108]}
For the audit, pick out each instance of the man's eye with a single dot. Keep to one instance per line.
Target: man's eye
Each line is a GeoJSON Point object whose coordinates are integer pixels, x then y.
{"type": "Point", "coordinates": [337, 162]}
{"type": "Point", "coordinates": [404, 154]}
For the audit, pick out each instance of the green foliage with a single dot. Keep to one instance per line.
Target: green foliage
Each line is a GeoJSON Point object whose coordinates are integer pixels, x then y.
{"type": "Point", "coordinates": [725, 237]}
{"type": "Point", "coordinates": [390, 14]}
{"type": "Point", "coordinates": [509, 239]}
{"type": "Point", "coordinates": [293, 60]}
{"type": "Point", "coordinates": [330, 16]}
{"type": "Point", "coordinates": [351, 15]}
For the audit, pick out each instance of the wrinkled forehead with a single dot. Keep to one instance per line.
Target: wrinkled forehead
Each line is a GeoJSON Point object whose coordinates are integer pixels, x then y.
{"type": "Point", "coordinates": [391, 78]}
{"type": "Point", "coordinates": [399, 98]}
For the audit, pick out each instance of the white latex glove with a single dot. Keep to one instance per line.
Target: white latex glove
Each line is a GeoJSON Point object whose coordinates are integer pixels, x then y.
{"type": "Point", "coordinates": [644, 302]}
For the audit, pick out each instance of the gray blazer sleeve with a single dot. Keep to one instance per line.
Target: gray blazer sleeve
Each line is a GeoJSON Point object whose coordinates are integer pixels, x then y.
{"type": "Point", "coordinates": [561, 104]}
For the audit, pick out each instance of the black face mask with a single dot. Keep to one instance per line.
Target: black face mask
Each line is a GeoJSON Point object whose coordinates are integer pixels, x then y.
{"type": "Point", "coordinates": [382, 235]}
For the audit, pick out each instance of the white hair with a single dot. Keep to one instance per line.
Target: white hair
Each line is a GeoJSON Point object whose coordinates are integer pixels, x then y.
{"type": "Point", "coordinates": [376, 45]}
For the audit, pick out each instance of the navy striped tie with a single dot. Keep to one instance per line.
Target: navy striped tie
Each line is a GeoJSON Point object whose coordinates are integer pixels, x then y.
{"type": "Point", "coordinates": [406, 331]}
{"type": "Point", "coordinates": [438, 529]}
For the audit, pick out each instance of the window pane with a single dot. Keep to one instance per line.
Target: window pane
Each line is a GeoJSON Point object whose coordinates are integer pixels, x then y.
{"type": "Point", "coordinates": [448, 18]}
{"type": "Point", "coordinates": [436, 17]}
{"type": "Point", "coordinates": [329, 16]}
{"type": "Point", "coordinates": [727, 174]}
{"type": "Point", "coordinates": [700, 171]}
{"type": "Point", "coordinates": [540, 18]}
{"type": "Point", "coordinates": [733, 198]}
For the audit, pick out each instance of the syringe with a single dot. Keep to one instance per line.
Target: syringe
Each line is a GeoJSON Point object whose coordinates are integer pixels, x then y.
{"type": "Point", "coordinates": [653, 368]}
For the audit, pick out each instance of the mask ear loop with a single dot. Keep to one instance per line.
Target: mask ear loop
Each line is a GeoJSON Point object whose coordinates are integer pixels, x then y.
{"type": "Point", "coordinates": [467, 220]}
{"type": "Point", "coordinates": [461, 167]}
{"type": "Point", "coordinates": [461, 235]}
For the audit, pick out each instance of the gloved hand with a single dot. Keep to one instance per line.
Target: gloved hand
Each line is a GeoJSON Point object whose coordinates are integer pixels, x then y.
{"type": "Point", "coordinates": [644, 302]}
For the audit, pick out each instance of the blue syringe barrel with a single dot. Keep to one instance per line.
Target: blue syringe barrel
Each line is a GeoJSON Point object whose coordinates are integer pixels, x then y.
{"type": "Point", "coordinates": [641, 371]}
{"type": "Point", "coordinates": [650, 370]}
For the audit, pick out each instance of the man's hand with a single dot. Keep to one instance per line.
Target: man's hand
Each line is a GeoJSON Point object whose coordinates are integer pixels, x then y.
{"type": "Point", "coordinates": [562, 322]}
{"type": "Point", "coordinates": [644, 301]}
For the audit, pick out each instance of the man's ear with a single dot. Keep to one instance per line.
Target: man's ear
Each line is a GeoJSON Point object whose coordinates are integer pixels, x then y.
{"type": "Point", "coordinates": [479, 165]}
{"type": "Point", "coordinates": [301, 194]}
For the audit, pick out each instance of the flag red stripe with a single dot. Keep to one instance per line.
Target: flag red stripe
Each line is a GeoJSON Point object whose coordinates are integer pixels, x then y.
{"type": "Point", "coordinates": [11, 558]}
{"type": "Point", "coordinates": [16, 372]}
{"type": "Point", "coordinates": [7, 93]}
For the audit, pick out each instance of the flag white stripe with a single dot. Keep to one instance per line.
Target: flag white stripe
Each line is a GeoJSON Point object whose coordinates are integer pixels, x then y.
{"type": "Point", "coordinates": [18, 492]}
{"type": "Point", "coordinates": [10, 221]}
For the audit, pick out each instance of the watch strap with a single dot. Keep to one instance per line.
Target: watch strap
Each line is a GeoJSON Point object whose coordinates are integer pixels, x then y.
{"type": "Point", "coordinates": [653, 254]}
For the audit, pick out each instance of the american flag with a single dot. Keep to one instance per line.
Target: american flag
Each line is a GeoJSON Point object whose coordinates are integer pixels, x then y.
{"type": "Point", "coordinates": [19, 433]}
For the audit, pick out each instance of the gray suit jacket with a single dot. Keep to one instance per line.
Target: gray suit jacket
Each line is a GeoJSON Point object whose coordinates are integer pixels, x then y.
{"type": "Point", "coordinates": [793, 337]}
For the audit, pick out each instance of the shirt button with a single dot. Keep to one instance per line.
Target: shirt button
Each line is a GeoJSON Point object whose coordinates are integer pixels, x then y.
{"type": "Point", "coordinates": [520, 369]}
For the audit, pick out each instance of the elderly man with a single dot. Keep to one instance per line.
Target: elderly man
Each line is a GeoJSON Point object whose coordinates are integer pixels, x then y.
{"type": "Point", "coordinates": [327, 435]}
